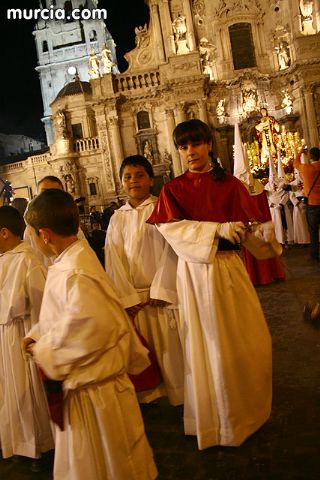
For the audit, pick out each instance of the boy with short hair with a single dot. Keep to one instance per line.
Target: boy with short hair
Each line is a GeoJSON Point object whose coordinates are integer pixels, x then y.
{"type": "Point", "coordinates": [85, 339]}
{"type": "Point", "coordinates": [24, 420]}
{"type": "Point", "coordinates": [142, 266]}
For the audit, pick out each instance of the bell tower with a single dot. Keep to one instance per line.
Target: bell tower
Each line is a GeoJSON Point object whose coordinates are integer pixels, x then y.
{"type": "Point", "coordinates": [64, 46]}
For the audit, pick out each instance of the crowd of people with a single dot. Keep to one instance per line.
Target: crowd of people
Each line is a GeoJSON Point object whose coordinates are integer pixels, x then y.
{"type": "Point", "coordinates": [172, 313]}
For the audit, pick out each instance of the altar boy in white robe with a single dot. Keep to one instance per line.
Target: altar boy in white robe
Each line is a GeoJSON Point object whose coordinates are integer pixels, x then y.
{"type": "Point", "coordinates": [142, 266]}
{"type": "Point", "coordinates": [24, 419]}
{"type": "Point", "coordinates": [85, 339]}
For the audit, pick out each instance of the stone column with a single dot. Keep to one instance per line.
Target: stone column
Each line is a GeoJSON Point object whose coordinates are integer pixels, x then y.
{"type": "Point", "coordinates": [317, 14]}
{"type": "Point", "coordinates": [108, 175]}
{"type": "Point", "coordinates": [311, 118]}
{"type": "Point", "coordinates": [157, 31]}
{"type": "Point", "coordinates": [167, 29]}
{"type": "Point", "coordinates": [116, 141]}
{"type": "Point", "coordinates": [203, 114]}
{"type": "Point", "coordinates": [180, 113]}
{"type": "Point", "coordinates": [189, 23]}
{"type": "Point", "coordinates": [176, 165]}
{"type": "Point", "coordinates": [304, 122]}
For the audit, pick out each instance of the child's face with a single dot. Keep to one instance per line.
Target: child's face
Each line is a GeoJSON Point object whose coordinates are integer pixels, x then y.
{"type": "Point", "coordinates": [136, 182]}
{"type": "Point", "coordinates": [196, 156]}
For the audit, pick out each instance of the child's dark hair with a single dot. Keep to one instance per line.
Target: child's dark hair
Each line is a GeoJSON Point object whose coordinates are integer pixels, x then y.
{"type": "Point", "coordinates": [136, 160]}
{"type": "Point", "coordinates": [197, 131]}
{"type": "Point", "coordinates": [315, 152]}
{"type": "Point", "coordinates": [54, 209]}
{"type": "Point", "coordinates": [11, 219]}
{"type": "Point", "coordinates": [51, 178]}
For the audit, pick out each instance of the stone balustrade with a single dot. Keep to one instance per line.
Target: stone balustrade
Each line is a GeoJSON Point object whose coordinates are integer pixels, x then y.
{"type": "Point", "coordinates": [124, 83]}
{"type": "Point", "coordinates": [39, 159]}
{"type": "Point", "coordinates": [86, 144]}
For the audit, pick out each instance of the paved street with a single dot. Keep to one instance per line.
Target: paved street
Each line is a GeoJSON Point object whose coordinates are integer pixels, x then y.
{"type": "Point", "coordinates": [288, 446]}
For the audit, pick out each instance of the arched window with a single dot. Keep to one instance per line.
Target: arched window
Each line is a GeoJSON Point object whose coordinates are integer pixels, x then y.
{"type": "Point", "coordinates": [242, 46]}
{"type": "Point", "coordinates": [143, 120]}
{"type": "Point", "coordinates": [44, 46]}
{"type": "Point", "coordinates": [92, 188]}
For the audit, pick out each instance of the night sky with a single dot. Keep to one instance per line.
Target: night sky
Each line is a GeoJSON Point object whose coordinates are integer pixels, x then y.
{"type": "Point", "coordinates": [20, 99]}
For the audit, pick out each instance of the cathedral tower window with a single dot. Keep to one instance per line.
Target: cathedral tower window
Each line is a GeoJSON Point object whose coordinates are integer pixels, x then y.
{"type": "Point", "coordinates": [242, 46]}
{"type": "Point", "coordinates": [44, 46]}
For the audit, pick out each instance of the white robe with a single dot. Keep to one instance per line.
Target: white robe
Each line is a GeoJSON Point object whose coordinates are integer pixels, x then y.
{"type": "Point", "coordinates": [300, 224]}
{"type": "Point", "coordinates": [141, 265]}
{"type": "Point", "coordinates": [226, 339]}
{"type": "Point", "coordinates": [24, 418]}
{"type": "Point", "coordinates": [279, 199]}
{"type": "Point", "coordinates": [85, 339]}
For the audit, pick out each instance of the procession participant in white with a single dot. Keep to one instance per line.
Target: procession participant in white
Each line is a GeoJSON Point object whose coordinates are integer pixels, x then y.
{"type": "Point", "coordinates": [24, 419]}
{"type": "Point", "coordinates": [300, 224]}
{"type": "Point", "coordinates": [142, 267]}
{"type": "Point", "coordinates": [85, 339]}
{"type": "Point", "coordinates": [227, 344]}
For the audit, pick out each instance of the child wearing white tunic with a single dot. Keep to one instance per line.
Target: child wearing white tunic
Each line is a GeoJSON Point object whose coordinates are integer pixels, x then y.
{"type": "Point", "coordinates": [85, 339]}
{"type": "Point", "coordinates": [24, 419]}
{"type": "Point", "coordinates": [135, 255]}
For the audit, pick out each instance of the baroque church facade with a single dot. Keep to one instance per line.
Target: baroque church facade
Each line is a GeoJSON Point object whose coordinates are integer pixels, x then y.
{"type": "Point", "coordinates": [217, 60]}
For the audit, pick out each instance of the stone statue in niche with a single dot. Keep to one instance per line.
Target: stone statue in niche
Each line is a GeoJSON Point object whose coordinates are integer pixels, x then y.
{"type": "Point", "coordinates": [94, 65]}
{"type": "Point", "coordinates": [287, 102]}
{"type": "Point", "coordinates": [61, 126]}
{"type": "Point", "coordinates": [249, 100]}
{"type": "Point", "coordinates": [148, 151]}
{"type": "Point", "coordinates": [179, 27]}
{"type": "Point", "coordinates": [220, 110]}
{"type": "Point", "coordinates": [283, 55]}
{"type": "Point", "coordinates": [306, 18]}
{"type": "Point", "coordinates": [207, 55]}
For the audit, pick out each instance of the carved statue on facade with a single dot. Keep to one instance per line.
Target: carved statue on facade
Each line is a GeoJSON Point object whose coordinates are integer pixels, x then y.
{"type": "Point", "coordinates": [106, 59]}
{"type": "Point", "coordinates": [306, 9]}
{"type": "Point", "coordinates": [283, 55]}
{"type": "Point", "coordinates": [220, 110]}
{"type": "Point", "coordinates": [207, 55]}
{"type": "Point", "coordinates": [147, 151]}
{"type": "Point", "coordinates": [249, 100]}
{"type": "Point", "coordinates": [61, 126]}
{"type": "Point", "coordinates": [142, 38]}
{"type": "Point", "coordinates": [287, 102]}
{"type": "Point", "coordinates": [94, 65]}
{"type": "Point", "coordinates": [267, 133]}
{"type": "Point", "coordinates": [69, 183]}
{"type": "Point", "coordinates": [179, 27]}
